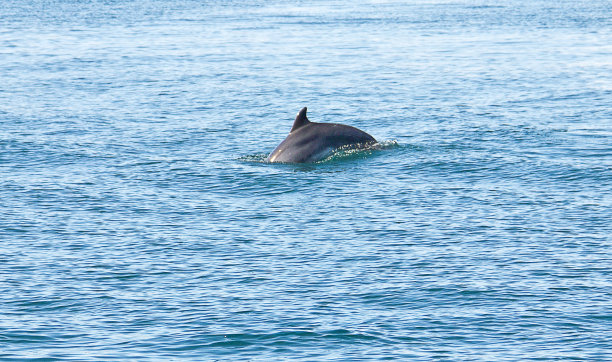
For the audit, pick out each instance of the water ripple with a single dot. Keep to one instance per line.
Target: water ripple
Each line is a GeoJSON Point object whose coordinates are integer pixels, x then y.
{"type": "Point", "coordinates": [139, 218]}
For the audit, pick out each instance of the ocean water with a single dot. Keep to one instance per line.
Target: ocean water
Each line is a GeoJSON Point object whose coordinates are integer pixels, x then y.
{"type": "Point", "coordinates": [140, 221]}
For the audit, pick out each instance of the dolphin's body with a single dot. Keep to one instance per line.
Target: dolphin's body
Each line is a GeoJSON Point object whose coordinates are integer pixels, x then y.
{"type": "Point", "coordinates": [310, 142]}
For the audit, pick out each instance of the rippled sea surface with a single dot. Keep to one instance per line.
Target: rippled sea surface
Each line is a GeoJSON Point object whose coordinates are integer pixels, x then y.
{"type": "Point", "coordinates": [139, 220]}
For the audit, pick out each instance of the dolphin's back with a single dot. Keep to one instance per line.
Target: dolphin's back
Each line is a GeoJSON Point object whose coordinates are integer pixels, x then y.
{"type": "Point", "coordinates": [315, 141]}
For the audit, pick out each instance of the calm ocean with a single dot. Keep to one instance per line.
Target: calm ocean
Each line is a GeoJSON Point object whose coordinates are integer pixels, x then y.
{"type": "Point", "coordinates": [140, 221]}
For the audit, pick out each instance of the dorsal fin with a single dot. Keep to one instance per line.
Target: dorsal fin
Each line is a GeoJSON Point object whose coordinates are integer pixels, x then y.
{"type": "Point", "coordinates": [300, 120]}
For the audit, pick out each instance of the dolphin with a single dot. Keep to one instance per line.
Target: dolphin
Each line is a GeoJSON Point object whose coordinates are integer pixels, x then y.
{"type": "Point", "coordinates": [310, 141]}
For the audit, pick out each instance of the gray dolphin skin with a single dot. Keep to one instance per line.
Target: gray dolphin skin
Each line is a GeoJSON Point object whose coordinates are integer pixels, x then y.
{"type": "Point", "coordinates": [311, 142]}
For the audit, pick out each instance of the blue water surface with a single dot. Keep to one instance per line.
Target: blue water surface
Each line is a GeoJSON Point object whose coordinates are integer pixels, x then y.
{"type": "Point", "coordinates": [139, 221]}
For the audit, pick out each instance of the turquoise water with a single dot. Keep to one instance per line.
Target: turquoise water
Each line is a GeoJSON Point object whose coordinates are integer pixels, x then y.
{"type": "Point", "coordinates": [138, 220]}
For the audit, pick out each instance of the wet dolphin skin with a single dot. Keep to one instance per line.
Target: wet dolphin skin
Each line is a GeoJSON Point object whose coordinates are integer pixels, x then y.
{"type": "Point", "coordinates": [310, 141]}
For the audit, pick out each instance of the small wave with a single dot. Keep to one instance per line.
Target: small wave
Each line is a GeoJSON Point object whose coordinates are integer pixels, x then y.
{"type": "Point", "coordinates": [348, 153]}
{"type": "Point", "coordinates": [257, 158]}
{"type": "Point", "coordinates": [387, 145]}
